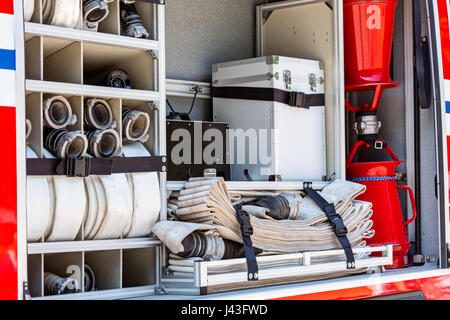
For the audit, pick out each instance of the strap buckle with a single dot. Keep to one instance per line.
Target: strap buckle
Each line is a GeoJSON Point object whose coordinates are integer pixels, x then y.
{"type": "Point", "coordinates": [77, 167]}
{"type": "Point", "coordinates": [244, 220]}
{"type": "Point", "coordinates": [297, 99]}
{"type": "Point", "coordinates": [338, 225]}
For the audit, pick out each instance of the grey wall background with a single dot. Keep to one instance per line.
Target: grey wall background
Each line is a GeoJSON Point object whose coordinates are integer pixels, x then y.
{"type": "Point", "coordinates": [200, 33]}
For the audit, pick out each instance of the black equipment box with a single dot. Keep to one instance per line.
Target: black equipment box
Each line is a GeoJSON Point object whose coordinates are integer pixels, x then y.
{"type": "Point", "coordinates": [194, 146]}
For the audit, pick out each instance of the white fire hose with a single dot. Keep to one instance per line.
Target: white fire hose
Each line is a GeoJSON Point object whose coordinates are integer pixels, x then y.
{"type": "Point", "coordinates": [310, 232]}
{"type": "Point", "coordinates": [63, 13]}
{"type": "Point", "coordinates": [58, 113]}
{"type": "Point", "coordinates": [104, 143]}
{"type": "Point", "coordinates": [28, 9]}
{"type": "Point", "coordinates": [146, 195]}
{"type": "Point", "coordinates": [68, 204]}
{"type": "Point", "coordinates": [98, 114]}
{"type": "Point", "coordinates": [135, 125]}
{"type": "Point", "coordinates": [38, 204]}
{"type": "Point", "coordinates": [94, 12]}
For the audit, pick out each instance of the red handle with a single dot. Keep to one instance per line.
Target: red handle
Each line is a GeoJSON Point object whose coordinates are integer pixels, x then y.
{"type": "Point", "coordinates": [375, 102]}
{"type": "Point", "coordinates": [364, 144]}
{"type": "Point", "coordinates": [413, 203]}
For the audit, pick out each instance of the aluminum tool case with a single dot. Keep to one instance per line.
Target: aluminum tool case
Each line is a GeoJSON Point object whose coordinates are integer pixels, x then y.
{"type": "Point", "coordinates": [296, 143]}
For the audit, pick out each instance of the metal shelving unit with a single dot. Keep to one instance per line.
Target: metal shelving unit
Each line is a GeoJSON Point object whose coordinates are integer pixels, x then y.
{"type": "Point", "coordinates": [63, 61]}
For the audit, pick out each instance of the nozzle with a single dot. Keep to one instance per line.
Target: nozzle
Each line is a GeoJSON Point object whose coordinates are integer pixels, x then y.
{"type": "Point", "coordinates": [135, 125]}
{"type": "Point", "coordinates": [131, 22]}
{"type": "Point", "coordinates": [98, 114]}
{"type": "Point", "coordinates": [104, 143]}
{"type": "Point", "coordinates": [66, 144]}
{"type": "Point", "coordinates": [55, 285]}
{"type": "Point", "coordinates": [58, 113]}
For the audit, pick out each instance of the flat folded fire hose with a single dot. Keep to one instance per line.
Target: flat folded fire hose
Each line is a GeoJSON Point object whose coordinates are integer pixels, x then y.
{"type": "Point", "coordinates": [337, 223]}
{"type": "Point", "coordinates": [207, 201]}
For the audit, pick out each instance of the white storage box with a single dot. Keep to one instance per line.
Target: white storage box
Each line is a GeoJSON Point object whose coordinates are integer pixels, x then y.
{"type": "Point", "coordinates": [280, 140]}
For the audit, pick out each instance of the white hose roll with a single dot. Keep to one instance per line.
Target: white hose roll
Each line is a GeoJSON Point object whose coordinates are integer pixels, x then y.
{"type": "Point", "coordinates": [38, 204]}
{"type": "Point", "coordinates": [92, 205]}
{"type": "Point", "coordinates": [63, 13]}
{"type": "Point", "coordinates": [28, 10]}
{"type": "Point", "coordinates": [101, 207]}
{"type": "Point", "coordinates": [58, 113]}
{"type": "Point", "coordinates": [119, 207]}
{"type": "Point", "coordinates": [28, 127]}
{"type": "Point", "coordinates": [69, 207]}
{"type": "Point", "coordinates": [135, 125]}
{"type": "Point", "coordinates": [146, 195]}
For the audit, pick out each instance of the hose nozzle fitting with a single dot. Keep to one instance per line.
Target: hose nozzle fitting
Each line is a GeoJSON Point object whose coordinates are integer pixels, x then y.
{"type": "Point", "coordinates": [58, 113]}
{"type": "Point", "coordinates": [135, 125]}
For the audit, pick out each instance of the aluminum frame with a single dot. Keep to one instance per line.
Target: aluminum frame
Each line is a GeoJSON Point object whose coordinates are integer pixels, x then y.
{"type": "Point", "coordinates": [202, 279]}
{"type": "Point", "coordinates": [19, 37]}
{"type": "Point", "coordinates": [440, 133]}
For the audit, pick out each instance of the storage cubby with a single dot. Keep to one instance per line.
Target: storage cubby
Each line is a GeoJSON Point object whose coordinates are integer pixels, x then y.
{"type": "Point", "coordinates": [63, 60]}
{"type": "Point", "coordinates": [139, 267]}
{"type": "Point", "coordinates": [145, 12]}
{"type": "Point", "coordinates": [107, 268]}
{"type": "Point", "coordinates": [36, 274]}
{"type": "Point", "coordinates": [33, 113]}
{"type": "Point", "coordinates": [33, 57]}
{"type": "Point", "coordinates": [153, 130]}
{"type": "Point", "coordinates": [99, 60]}
{"type": "Point", "coordinates": [112, 22]}
{"type": "Point", "coordinates": [66, 265]}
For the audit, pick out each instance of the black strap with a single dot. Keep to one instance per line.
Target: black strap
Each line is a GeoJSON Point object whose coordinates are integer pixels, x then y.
{"type": "Point", "coordinates": [423, 61]}
{"type": "Point", "coordinates": [92, 166]}
{"type": "Point", "coordinates": [247, 230]}
{"type": "Point", "coordinates": [337, 223]}
{"type": "Point", "coordinates": [291, 98]}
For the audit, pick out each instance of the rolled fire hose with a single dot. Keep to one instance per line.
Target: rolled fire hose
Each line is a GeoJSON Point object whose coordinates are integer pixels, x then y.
{"type": "Point", "coordinates": [210, 246]}
{"type": "Point", "coordinates": [58, 113]}
{"type": "Point", "coordinates": [146, 194]}
{"type": "Point", "coordinates": [63, 13]}
{"type": "Point", "coordinates": [67, 206]}
{"type": "Point", "coordinates": [55, 285]}
{"type": "Point", "coordinates": [98, 114]}
{"type": "Point", "coordinates": [28, 127]}
{"type": "Point", "coordinates": [103, 143]}
{"type": "Point", "coordinates": [66, 144]}
{"type": "Point", "coordinates": [115, 207]}
{"type": "Point", "coordinates": [117, 79]}
{"type": "Point", "coordinates": [92, 205]}
{"type": "Point", "coordinates": [89, 279]}
{"type": "Point", "coordinates": [28, 10]}
{"type": "Point", "coordinates": [135, 125]}
{"type": "Point", "coordinates": [131, 22]}
{"type": "Point", "coordinates": [38, 204]}
{"type": "Point", "coordinates": [94, 12]}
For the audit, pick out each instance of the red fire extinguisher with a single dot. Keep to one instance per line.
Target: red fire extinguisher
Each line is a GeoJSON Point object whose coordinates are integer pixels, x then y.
{"type": "Point", "coordinates": [380, 180]}
{"type": "Point", "coordinates": [368, 34]}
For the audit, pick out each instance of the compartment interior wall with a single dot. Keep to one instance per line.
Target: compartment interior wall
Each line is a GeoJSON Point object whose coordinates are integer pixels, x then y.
{"type": "Point", "coordinates": [195, 40]}
{"type": "Point", "coordinates": [293, 32]}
